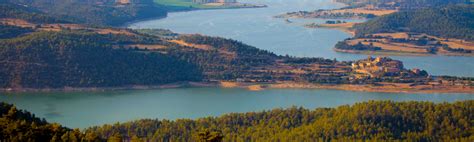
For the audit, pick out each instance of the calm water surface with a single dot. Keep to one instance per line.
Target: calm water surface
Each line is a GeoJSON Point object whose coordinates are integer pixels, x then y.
{"type": "Point", "coordinates": [257, 27]}
{"type": "Point", "coordinates": [84, 109]}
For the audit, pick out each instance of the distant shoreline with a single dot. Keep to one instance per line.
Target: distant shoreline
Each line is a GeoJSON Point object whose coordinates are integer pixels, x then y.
{"type": "Point", "coordinates": [398, 53]}
{"type": "Point", "coordinates": [128, 24]}
{"type": "Point", "coordinates": [344, 27]}
{"type": "Point", "coordinates": [380, 88]}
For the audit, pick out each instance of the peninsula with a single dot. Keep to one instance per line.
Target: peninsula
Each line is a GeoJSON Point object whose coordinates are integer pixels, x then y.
{"type": "Point", "coordinates": [400, 32]}
{"type": "Point", "coordinates": [47, 52]}
{"type": "Point", "coordinates": [366, 11]}
{"type": "Point", "coordinates": [180, 5]}
{"type": "Point", "coordinates": [71, 45]}
{"type": "Point", "coordinates": [399, 35]}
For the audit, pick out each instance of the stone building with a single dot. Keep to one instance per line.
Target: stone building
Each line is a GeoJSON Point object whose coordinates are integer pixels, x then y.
{"type": "Point", "coordinates": [377, 67]}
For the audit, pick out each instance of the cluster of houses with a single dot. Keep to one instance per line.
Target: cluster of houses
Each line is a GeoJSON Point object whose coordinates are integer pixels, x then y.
{"type": "Point", "coordinates": [377, 67]}
{"type": "Point", "coordinates": [384, 66]}
{"type": "Point", "coordinates": [214, 1]}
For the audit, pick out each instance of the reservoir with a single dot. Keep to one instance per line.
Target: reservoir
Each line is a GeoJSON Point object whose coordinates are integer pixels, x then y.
{"type": "Point", "coordinates": [84, 109]}
{"type": "Point", "coordinates": [255, 27]}
{"type": "Point", "coordinates": [258, 28]}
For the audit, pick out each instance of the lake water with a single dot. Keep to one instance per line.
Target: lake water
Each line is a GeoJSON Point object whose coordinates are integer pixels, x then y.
{"type": "Point", "coordinates": [84, 109]}
{"type": "Point", "coordinates": [255, 27]}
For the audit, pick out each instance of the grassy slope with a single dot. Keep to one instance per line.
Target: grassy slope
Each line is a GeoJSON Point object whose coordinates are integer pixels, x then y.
{"type": "Point", "coordinates": [454, 21]}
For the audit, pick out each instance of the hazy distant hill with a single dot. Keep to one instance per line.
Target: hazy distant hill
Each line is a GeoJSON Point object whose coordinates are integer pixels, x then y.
{"type": "Point", "coordinates": [455, 21]}
{"type": "Point", "coordinates": [9, 10]}
{"type": "Point", "coordinates": [403, 4]}
{"type": "Point", "coordinates": [95, 12]}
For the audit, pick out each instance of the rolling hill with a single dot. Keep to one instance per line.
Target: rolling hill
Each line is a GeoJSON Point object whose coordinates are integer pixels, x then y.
{"type": "Point", "coordinates": [86, 59]}
{"type": "Point", "coordinates": [373, 120]}
{"type": "Point", "coordinates": [91, 12]}
{"type": "Point", "coordinates": [454, 21]}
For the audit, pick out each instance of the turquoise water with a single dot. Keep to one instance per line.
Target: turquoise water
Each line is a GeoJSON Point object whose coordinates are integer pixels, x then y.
{"type": "Point", "coordinates": [252, 26]}
{"type": "Point", "coordinates": [257, 27]}
{"type": "Point", "coordinates": [84, 109]}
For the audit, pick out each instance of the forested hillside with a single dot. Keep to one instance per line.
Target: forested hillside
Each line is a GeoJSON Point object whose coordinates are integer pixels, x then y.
{"type": "Point", "coordinates": [82, 58]}
{"type": "Point", "coordinates": [12, 31]}
{"type": "Point", "coordinates": [374, 120]}
{"type": "Point", "coordinates": [403, 4]}
{"type": "Point", "coordinates": [228, 60]}
{"type": "Point", "coordinates": [9, 10]}
{"type": "Point", "coordinates": [416, 121]}
{"type": "Point", "coordinates": [92, 12]}
{"type": "Point", "coordinates": [20, 125]}
{"type": "Point", "coordinates": [449, 22]}
{"type": "Point", "coordinates": [85, 59]}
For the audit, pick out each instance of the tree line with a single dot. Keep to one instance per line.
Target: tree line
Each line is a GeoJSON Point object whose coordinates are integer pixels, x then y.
{"type": "Point", "coordinates": [373, 120]}
{"type": "Point", "coordinates": [454, 21]}
{"type": "Point", "coordinates": [367, 121]}
{"type": "Point", "coordinates": [12, 31]}
{"type": "Point", "coordinates": [86, 59]}
{"type": "Point", "coordinates": [88, 12]}
{"type": "Point", "coordinates": [403, 4]}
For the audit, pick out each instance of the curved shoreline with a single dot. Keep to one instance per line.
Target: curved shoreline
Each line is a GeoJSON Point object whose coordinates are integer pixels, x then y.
{"type": "Point", "coordinates": [380, 88]}
{"type": "Point", "coordinates": [128, 24]}
{"type": "Point", "coordinates": [395, 53]}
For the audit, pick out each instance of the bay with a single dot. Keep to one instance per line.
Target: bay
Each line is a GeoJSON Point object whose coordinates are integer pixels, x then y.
{"type": "Point", "coordinates": [258, 28]}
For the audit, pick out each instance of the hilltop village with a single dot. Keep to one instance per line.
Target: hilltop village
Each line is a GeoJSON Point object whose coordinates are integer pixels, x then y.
{"type": "Point", "coordinates": [379, 67]}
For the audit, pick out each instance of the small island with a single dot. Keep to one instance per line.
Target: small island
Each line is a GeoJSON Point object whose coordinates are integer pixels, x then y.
{"type": "Point", "coordinates": [366, 12]}
{"type": "Point", "coordinates": [208, 4]}
{"type": "Point", "coordinates": [338, 24]}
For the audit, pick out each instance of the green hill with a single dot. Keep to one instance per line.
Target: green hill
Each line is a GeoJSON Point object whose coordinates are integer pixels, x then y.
{"type": "Point", "coordinates": [403, 4]}
{"type": "Point", "coordinates": [9, 10]}
{"type": "Point", "coordinates": [20, 125]}
{"type": "Point", "coordinates": [92, 12]}
{"type": "Point", "coordinates": [375, 120]}
{"type": "Point", "coordinates": [368, 121]}
{"type": "Point", "coordinates": [12, 31]}
{"type": "Point", "coordinates": [85, 59]}
{"type": "Point", "coordinates": [455, 21]}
